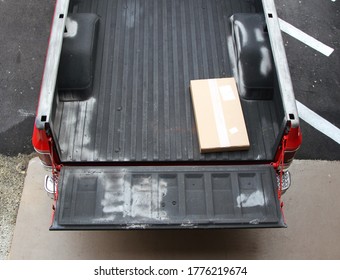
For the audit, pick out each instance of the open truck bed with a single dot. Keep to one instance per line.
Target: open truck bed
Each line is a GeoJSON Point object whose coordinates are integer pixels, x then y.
{"type": "Point", "coordinates": [128, 154]}
{"type": "Point", "coordinates": [141, 110]}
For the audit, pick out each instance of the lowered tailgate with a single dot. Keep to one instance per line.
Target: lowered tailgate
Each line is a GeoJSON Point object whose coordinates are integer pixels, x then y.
{"type": "Point", "coordinates": [167, 197]}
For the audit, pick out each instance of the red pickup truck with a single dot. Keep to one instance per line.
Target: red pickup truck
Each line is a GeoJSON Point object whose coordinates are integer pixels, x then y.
{"type": "Point", "coordinates": [115, 121]}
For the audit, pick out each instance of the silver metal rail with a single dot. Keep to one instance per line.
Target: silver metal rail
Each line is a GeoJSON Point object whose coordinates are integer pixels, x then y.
{"type": "Point", "coordinates": [281, 63]}
{"type": "Point", "coordinates": [52, 63]}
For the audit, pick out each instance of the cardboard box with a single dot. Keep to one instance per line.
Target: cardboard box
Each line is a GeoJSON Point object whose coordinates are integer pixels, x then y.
{"type": "Point", "coordinates": [219, 117]}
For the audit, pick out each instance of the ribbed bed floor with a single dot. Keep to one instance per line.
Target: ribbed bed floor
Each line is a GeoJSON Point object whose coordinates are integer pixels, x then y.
{"type": "Point", "coordinates": [148, 51]}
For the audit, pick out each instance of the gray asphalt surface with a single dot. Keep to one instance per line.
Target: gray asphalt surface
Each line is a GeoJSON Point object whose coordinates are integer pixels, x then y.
{"type": "Point", "coordinates": [315, 77]}
{"type": "Point", "coordinates": [24, 31]}
{"type": "Point", "coordinates": [25, 26]}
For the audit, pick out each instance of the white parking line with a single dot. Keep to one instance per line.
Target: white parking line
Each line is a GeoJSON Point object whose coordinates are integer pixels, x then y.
{"type": "Point", "coordinates": [305, 38]}
{"type": "Point", "coordinates": [318, 122]}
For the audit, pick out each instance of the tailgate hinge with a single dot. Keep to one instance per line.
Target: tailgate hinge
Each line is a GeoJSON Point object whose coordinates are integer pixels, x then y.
{"type": "Point", "coordinates": [56, 167]}
{"type": "Point", "coordinates": [279, 167]}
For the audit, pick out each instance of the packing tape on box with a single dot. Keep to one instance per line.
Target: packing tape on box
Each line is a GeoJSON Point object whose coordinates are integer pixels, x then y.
{"type": "Point", "coordinates": [227, 93]}
{"type": "Point", "coordinates": [218, 114]}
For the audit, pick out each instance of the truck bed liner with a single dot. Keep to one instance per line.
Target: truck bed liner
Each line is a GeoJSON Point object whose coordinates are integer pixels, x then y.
{"type": "Point", "coordinates": [147, 53]}
{"type": "Point", "coordinates": [167, 197]}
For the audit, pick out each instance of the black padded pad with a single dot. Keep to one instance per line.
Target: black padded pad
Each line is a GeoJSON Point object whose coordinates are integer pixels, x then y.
{"type": "Point", "coordinates": [78, 52]}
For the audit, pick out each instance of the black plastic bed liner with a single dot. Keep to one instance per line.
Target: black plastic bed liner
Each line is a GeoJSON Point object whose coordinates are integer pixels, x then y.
{"type": "Point", "coordinates": [140, 109]}
{"type": "Point", "coordinates": [167, 197]}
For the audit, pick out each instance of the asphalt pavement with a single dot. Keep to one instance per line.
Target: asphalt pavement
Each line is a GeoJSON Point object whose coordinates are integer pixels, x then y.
{"type": "Point", "coordinates": [25, 26]}
{"type": "Point", "coordinates": [24, 32]}
{"type": "Point", "coordinates": [315, 77]}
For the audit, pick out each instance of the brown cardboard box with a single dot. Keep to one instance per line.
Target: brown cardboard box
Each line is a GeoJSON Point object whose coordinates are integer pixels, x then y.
{"type": "Point", "coordinates": [219, 117]}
